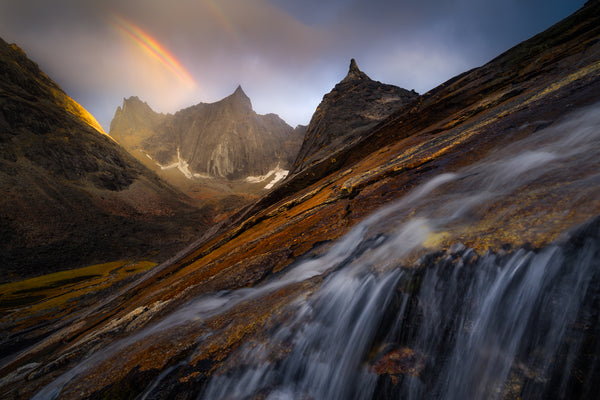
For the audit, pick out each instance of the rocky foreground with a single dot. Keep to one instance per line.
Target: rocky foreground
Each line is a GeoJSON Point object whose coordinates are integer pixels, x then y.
{"type": "Point", "coordinates": [482, 160]}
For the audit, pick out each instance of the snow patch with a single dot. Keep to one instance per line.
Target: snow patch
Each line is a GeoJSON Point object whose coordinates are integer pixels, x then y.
{"type": "Point", "coordinates": [260, 178]}
{"type": "Point", "coordinates": [279, 175]}
{"type": "Point", "coordinates": [183, 166]}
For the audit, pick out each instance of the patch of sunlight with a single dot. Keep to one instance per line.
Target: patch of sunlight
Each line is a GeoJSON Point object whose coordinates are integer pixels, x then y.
{"type": "Point", "coordinates": [436, 239]}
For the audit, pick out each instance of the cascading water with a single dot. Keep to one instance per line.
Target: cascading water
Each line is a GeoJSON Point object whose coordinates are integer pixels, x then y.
{"type": "Point", "coordinates": [475, 328]}
{"type": "Point", "coordinates": [509, 324]}
{"type": "Point", "coordinates": [488, 327]}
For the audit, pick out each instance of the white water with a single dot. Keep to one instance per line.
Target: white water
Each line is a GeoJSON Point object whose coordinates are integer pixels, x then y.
{"type": "Point", "coordinates": [475, 322]}
{"type": "Point", "coordinates": [471, 350]}
{"type": "Point", "coordinates": [475, 328]}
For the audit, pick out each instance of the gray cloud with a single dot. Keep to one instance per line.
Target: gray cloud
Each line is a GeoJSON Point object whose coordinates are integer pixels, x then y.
{"type": "Point", "coordinates": [285, 53]}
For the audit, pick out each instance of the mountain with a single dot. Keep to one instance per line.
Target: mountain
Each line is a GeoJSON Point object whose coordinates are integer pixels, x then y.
{"type": "Point", "coordinates": [225, 139]}
{"type": "Point", "coordinates": [355, 105]}
{"type": "Point", "coordinates": [450, 253]}
{"type": "Point", "coordinates": [134, 122]}
{"type": "Point", "coordinates": [71, 195]}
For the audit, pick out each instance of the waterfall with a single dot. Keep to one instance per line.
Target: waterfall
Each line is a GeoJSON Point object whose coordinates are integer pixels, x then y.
{"type": "Point", "coordinates": [512, 323]}
{"type": "Point", "coordinates": [481, 327]}
{"type": "Point", "coordinates": [502, 325]}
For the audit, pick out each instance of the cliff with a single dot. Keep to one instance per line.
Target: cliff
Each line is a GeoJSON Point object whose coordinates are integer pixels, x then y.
{"type": "Point", "coordinates": [354, 106]}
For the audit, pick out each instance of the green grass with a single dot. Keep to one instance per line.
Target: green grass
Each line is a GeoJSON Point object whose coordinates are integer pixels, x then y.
{"type": "Point", "coordinates": [54, 290]}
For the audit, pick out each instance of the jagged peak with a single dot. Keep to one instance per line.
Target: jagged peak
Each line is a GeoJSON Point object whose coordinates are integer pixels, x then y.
{"type": "Point", "coordinates": [135, 103]}
{"type": "Point", "coordinates": [239, 97]}
{"type": "Point", "coordinates": [239, 91]}
{"type": "Point", "coordinates": [132, 100]}
{"type": "Point", "coordinates": [354, 73]}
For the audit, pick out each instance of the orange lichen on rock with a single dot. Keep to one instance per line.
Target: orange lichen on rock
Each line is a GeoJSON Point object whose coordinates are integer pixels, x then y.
{"type": "Point", "coordinates": [402, 361]}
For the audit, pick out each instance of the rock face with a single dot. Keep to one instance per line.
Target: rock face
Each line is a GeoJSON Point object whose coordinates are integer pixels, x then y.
{"type": "Point", "coordinates": [134, 122]}
{"type": "Point", "coordinates": [226, 139]}
{"type": "Point", "coordinates": [355, 105]}
{"type": "Point", "coordinates": [486, 186]}
{"type": "Point", "coordinates": [70, 195]}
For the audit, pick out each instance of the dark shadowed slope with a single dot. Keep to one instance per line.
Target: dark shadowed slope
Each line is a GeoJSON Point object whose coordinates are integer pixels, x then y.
{"type": "Point", "coordinates": [70, 195]}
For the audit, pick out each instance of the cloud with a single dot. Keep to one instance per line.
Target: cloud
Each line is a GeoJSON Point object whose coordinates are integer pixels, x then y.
{"type": "Point", "coordinates": [286, 54]}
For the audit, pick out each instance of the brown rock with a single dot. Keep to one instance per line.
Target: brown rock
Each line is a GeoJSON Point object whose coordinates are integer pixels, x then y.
{"type": "Point", "coordinates": [224, 139]}
{"type": "Point", "coordinates": [402, 361]}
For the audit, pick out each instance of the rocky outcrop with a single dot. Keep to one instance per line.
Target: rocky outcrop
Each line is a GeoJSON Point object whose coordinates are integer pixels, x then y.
{"type": "Point", "coordinates": [355, 105]}
{"type": "Point", "coordinates": [71, 195]}
{"type": "Point", "coordinates": [226, 139]}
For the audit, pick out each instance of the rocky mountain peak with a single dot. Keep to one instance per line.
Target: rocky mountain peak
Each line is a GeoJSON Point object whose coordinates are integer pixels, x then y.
{"type": "Point", "coordinates": [224, 139]}
{"type": "Point", "coordinates": [134, 104]}
{"type": "Point", "coordinates": [132, 100]}
{"type": "Point", "coordinates": [239, 100]}
{"type": "Point", "coordinates": [354, 73]}
{"type": "Point", "coordinates": [356, 104]}
{"type": "Point", "coordinates": [239, 91]}
{"type": "Point", "coordinates": [133, 113]}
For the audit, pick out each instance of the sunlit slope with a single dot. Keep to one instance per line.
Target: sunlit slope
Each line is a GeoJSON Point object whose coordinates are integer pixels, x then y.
{"type": "Point", "coordinates": [26, 68]}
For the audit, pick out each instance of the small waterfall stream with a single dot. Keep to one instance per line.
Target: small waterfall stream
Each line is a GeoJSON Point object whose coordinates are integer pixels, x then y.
{"type": "Point", "coordinates": [470, 327]}
{"type": "Point", "coordinates": [504, 325]}
{"type": "Point", "coordinates": [465, 326]}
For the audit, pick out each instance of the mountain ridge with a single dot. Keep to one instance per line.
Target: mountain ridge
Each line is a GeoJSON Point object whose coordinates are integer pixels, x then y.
{"type": "Point", "coordinates": [210, 314]}
{"type": "Point", "coordinates": [225, 139]}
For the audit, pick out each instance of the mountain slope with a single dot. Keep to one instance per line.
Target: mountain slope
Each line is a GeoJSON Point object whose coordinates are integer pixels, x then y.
{"type": "Point", "coordinates": [490, 167]}
{"type": "Point", "coordinates": [70, 195]}
{"type": "Point", "coordinates": [355, 105]}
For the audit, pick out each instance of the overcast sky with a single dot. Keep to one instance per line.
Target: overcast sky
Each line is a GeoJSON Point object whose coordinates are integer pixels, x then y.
{"type": "Point", "coordinates": [286, 54]}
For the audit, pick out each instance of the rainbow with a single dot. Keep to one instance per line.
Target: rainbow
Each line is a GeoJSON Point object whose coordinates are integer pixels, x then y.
{"type": "Point", "coordinates": [153, 47]}
{"type": "Point", "coordinates": [222, 19]}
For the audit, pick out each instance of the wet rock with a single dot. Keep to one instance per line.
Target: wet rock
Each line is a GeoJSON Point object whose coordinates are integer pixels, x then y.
{"type": "Point", "coordinates": [400, 361]}
{"type": "Point", "coordinates": [448, 132]}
